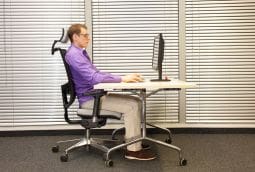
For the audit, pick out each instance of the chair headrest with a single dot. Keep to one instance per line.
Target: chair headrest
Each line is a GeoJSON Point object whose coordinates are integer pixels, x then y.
{"type": "Point", "coordinates": [64, 37]}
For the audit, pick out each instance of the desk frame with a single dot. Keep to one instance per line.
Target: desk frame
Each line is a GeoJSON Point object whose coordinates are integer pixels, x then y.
{"type": "Point", "coordinates": [141, 92]}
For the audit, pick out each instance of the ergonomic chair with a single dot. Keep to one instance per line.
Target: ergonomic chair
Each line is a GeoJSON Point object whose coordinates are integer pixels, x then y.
{"type": "Point", "coordinates": [88, 118]}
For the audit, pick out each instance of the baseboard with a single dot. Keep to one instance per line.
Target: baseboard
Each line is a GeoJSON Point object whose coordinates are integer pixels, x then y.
{"type": "Point", "coordinates": [109, 131]}
{"type": "Point", "coordinates": [213, 130]}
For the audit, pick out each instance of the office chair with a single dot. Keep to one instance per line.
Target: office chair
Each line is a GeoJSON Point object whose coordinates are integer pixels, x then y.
{"type": "Point", "coordinates": [88, 118]}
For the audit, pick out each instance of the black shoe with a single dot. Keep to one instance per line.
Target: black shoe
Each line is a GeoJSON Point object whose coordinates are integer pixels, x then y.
{"type": "Point", "coordinates": [145, 146]}
{"type": "Point", "coordinates": [143, 155]}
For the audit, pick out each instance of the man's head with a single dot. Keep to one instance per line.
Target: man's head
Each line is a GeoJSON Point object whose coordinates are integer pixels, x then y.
{"type": "Point", "coordinates": [78, 35]}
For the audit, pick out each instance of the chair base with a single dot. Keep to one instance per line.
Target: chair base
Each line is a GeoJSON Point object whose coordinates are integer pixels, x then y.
{"type": "Point", "coordinates": [101, 144]}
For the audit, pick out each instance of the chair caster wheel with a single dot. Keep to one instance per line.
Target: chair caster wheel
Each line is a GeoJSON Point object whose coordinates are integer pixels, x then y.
{"type": "Point", "coordinates": [183, 162]}
{"type": "Point", "coordinates": [64, 158]}
{"type": "Point", "coordinates": [55, 149]}
{"type": "Point", "coordinates": [109, 163]}
{"type": "Point", "coordinates": [168, 140]}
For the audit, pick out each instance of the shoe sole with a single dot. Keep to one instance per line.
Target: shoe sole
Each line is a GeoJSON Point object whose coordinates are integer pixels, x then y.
{"type": "Point", "coordinates": [146, 148]}
{"type": "Point", "coordinates": [135, 158]}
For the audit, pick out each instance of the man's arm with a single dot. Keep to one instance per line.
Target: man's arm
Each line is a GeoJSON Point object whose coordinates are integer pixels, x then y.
{"type": "Point", "coordinates": [90, 74]}
{"type": "Point", "coordinates": [84, 68]}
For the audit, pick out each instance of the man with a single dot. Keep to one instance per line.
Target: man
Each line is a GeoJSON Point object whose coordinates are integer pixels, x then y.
{"type": "Point", "coordinates": [86, 75]}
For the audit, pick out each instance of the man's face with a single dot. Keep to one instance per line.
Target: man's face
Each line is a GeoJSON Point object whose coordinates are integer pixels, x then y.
{"type": "Point", "coordinates": [82, 39]}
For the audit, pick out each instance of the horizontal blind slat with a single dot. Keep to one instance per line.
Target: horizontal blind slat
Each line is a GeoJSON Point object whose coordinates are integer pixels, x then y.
{"type": "Point", "coordinates": [123, 33]}
{"type": "Point", "coordinates": [30, 77]}
{"type": "Point", "coordinates": [220, 58]}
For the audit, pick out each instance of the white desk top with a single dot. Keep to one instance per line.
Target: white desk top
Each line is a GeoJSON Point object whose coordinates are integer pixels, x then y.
{"type": "Point", "coordinates": [148, 85]}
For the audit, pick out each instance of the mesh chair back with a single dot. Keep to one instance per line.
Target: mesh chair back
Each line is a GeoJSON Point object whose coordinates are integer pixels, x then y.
{"type": "Point", "coordinates": [69, 87]}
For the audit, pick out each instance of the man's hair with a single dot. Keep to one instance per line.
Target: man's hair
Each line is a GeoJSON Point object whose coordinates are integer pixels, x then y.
{"type": "Point", "coordinates": [75, 29]}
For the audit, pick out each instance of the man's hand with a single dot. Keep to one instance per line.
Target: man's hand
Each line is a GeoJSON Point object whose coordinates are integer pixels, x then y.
{"type": "Point", "coordinates": [132, 78]}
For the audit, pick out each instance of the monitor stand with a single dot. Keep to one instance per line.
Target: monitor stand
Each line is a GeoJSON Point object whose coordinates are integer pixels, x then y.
{"type": "Point", "coordinates": [160, 80]}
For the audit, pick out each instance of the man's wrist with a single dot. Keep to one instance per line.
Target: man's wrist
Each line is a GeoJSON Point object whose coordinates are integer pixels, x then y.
{"type": "Point", "coordinates": [123, 79]}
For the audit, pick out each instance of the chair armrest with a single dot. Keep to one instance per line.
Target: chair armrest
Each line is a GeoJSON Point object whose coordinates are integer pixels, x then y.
{"type": "Point", "coordinates": [97, 94]}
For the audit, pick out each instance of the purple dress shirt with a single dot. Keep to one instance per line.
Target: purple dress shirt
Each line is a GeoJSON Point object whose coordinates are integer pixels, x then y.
{"type": "Point", "coordinates": [85, 74]}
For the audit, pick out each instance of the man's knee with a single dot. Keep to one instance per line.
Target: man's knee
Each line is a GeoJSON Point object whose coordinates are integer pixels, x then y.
{"type": "Point", "coordinates": [134, 103]}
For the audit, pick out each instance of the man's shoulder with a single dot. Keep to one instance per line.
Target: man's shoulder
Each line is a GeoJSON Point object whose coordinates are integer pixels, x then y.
{"type": "Point", "coordinates": [72, 53]}
{"type": "Point", "coordinates": [72, 50]}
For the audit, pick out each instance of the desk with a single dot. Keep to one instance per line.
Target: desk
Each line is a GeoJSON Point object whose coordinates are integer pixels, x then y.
{"type": "Point", "coordinates": [148, 85]}
{"type": "Point", "coordinates": [140, 89]}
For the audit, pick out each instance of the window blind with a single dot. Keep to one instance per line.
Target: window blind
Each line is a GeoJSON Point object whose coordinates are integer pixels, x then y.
{"type": "Point", "coordinates": [30, 77]}
{"type": "Point", "coordinates": [123, 33]}
{"type": "Point", "coordinates": [220, 48]}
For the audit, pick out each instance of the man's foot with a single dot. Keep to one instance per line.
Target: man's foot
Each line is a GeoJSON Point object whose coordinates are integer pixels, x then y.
{"type": "Point", "coordinates": [144, 155]}
{"type": "Point", "coordinates": [145, 146]}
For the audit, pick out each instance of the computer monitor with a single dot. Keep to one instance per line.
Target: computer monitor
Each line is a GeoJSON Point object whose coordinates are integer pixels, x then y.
{"type": "Point", "coordinates": [158, 56]}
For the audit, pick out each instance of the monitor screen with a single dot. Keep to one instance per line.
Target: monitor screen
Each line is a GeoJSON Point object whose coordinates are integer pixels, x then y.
{"type": "Point", "coordinates": [158, 56]}
{"type": "Point", "coordinates": [155, 52]}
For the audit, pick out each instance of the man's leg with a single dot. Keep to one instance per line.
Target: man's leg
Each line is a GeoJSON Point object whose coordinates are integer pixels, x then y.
{"type": "Point", "coordinates": [130, 106]}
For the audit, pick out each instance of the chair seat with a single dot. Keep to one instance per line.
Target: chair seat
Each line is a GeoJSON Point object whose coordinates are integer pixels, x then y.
{"type": "Point", "coordinates": [87, 113]}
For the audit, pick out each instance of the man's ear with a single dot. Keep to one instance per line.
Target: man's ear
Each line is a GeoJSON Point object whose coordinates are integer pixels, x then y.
{"type": "Point", "coordinates": [75, 37]}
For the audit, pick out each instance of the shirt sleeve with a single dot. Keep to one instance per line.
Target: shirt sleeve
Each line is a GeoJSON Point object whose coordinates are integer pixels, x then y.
{"type": "Point", "coordinates": [88, 72]}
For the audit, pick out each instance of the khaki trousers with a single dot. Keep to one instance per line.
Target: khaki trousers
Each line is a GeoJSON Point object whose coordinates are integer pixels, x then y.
{"type": "Point", "coordinates": [130, 106]}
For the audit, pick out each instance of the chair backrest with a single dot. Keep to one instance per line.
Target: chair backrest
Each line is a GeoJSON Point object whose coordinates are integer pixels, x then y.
{"type": "Point", "coordinates": [68, 89]}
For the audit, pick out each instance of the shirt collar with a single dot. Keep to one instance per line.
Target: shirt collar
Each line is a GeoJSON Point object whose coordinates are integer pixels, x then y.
{"type": "Point", "coordinates": [81, 50]}
{"type": "Point", "coordinates": [77, 48]}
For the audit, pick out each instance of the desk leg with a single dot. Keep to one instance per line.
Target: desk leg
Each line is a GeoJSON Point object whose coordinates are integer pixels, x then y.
{"type": "Point", "coordinates": [143, 114]}
{"type": "Point", "coordinates": [143, 96]}
{"type": "Point", "coordinates": [168, 131]}
{"type": "Point", "coordinates": [182, 161]}
{"type": "Point", "coordinates": [134, 140]}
